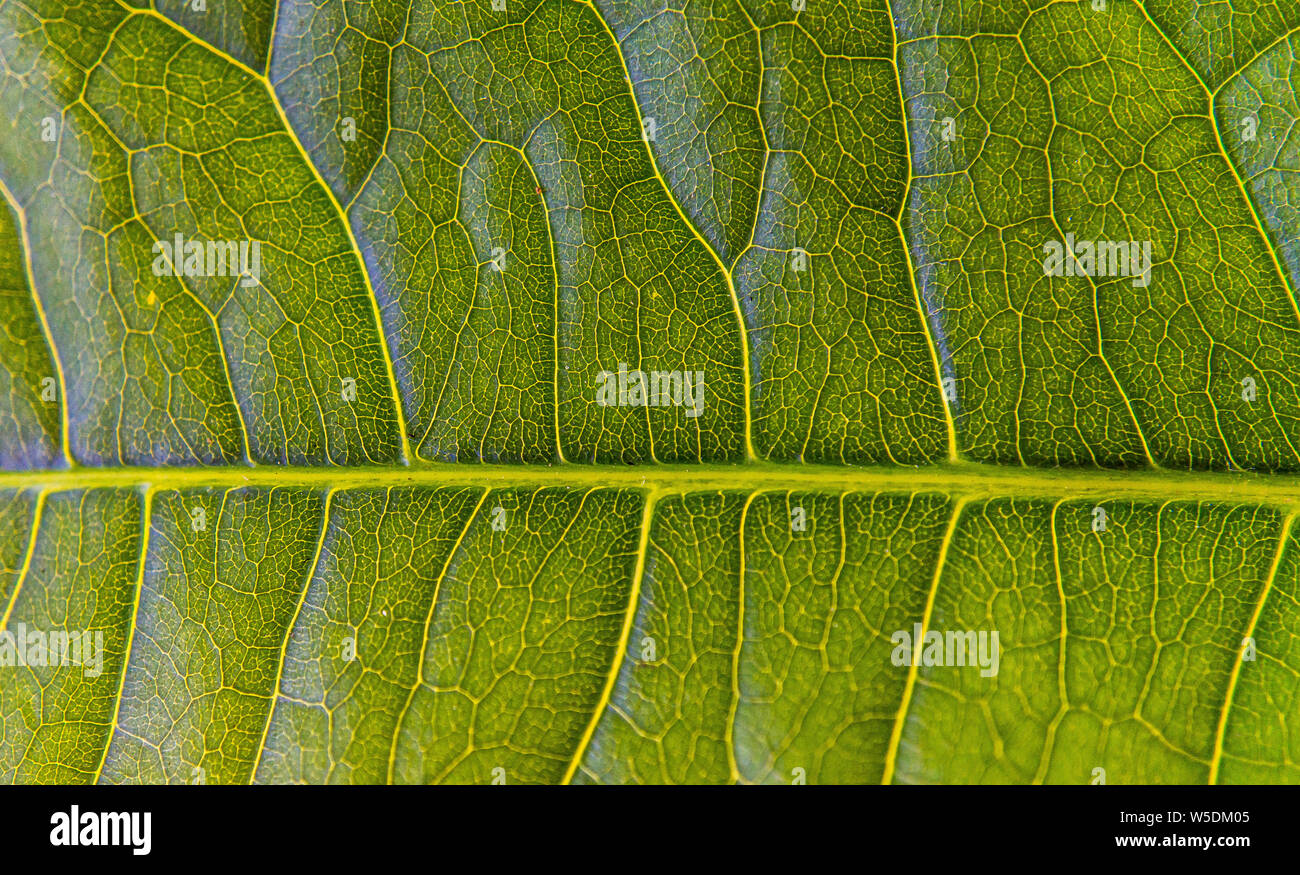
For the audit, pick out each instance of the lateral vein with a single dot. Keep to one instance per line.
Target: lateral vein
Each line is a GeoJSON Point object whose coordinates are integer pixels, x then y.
{"type": "Point", "coordinates": [620, 653]}
{"type": "Point", "coordinates": [1216, 759]}
{"type": "Point", "coordinates": [896, 736]}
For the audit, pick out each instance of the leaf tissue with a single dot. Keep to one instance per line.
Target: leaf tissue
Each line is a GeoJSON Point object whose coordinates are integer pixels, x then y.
{"type": "Point", "coordinates": [649, 391]}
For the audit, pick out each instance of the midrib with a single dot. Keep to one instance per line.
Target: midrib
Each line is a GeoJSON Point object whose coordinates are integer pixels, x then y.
{"type": "Point", "coordinates": [967, 479]}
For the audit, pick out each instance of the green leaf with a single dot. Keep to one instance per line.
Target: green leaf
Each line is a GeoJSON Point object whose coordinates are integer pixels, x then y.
{"type": "Point", "coordinates": [363, 516]}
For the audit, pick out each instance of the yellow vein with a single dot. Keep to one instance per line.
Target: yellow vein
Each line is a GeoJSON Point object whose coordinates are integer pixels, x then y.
{"type": "Point", "coordinates": [555, 273]}
{"type": "Point", "coordinates": [896, 736]}
{"type": "Point", "coordinates": [729, 733]}
{"type": "Point", "coordinates": [750, 455]}
{"type": "Point", "coordinates": [21, 215]}
{"type": "Point", "coordinates": [921, 311]}
{"type": "Point", "coordinates": [355, 248]}
{"type": "Point", "coordinates": [288, 633]}
{"type": "Point", "coordinates": [1061, 691]}
{"type": "Point", "coordinates": [270, 42]}
{"type": "Point", "coordinates": [428, 622]}
{"type": "Point", "coordinates": [145, 522]}
{"type": "Point", "coordinates": [21, 578]}
{"type": "Point", "coordinates": [1217, 758]}
{"type": "Point", "coordinates": [616, 660]}
{"type": "Point", "coordinates": [950, 478]}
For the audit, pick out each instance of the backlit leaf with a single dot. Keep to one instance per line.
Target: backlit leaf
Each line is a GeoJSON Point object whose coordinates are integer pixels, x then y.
{"type": "Point", "coordinates": [372, 499]}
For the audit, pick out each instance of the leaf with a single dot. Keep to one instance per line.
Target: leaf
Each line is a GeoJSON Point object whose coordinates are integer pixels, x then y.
{"type": "Point", "coordinates": [364, 518]}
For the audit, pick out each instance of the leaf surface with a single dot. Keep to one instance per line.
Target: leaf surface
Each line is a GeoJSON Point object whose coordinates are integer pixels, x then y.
{"type": "Point", "coordinates": [364, 519]}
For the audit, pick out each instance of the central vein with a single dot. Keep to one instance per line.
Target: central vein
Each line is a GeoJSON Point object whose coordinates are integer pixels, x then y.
{"type": "Point", "coordinates": [951, 478]}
